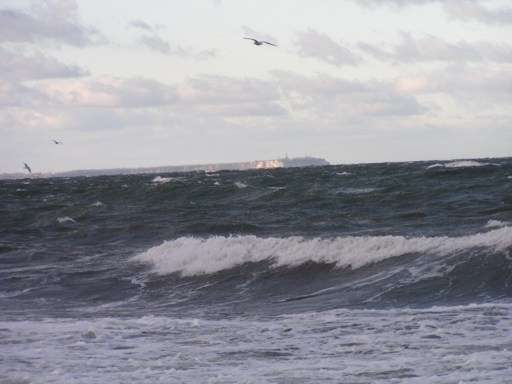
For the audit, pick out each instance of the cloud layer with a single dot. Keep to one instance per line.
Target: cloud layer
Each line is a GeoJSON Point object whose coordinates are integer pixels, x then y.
{"type": "Point", "coordinates": [48, 20]}
{"type": "Point", "coordinates": [311, 43]}
{"type": "Point", "coordinates": [377, 97]}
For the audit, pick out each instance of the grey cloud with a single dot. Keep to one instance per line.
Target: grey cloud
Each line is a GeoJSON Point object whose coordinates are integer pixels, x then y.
{"type": "Point", "coordinates": [465, 10]}
{"type": "Point", "coordinates": [225, 96]}
{"type": "Point", "coordinates": [156, 43]}
{"type": "Point", "coordinates": [222, 89]}
{"type": "Point", "coordinates": [320, 46]}
{"type": "Point", "coordinates": [140, 92]}
{"type": "Point", "coordinates": [53, 20]}
{"type": "Point", "coordinates": [108, 119]}
{"type": "Point", "coordinates": [152, 40]}
{"type": "Point", "coordinates": [476, 82]}
{"type": "Point", "coordinates": [140, 24]}
{"type": "Point", "coordinates": [15, 65]}
{"type": "Point", "coordinates": [13, 94]}
{"type": "Point", "coordinates": [339, 98]}
{"type": "Point", "coordinates": [110, 93]}
{"type": "Point", "coordinates": [397, 2]}
{"type": "Point", "coordinates": [431, 48]}
{"type": "Point", "coordinates": [243, 110]}
{"type": "Point", "coordinates": [206, 95]}
{"type": "Point", "coordinates": [464, 92]}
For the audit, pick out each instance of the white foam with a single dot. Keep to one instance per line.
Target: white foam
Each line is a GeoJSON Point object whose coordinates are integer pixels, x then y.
{"type": "Point", "coordinates": [240, 185]}
{"type": "Point", "coordinates": [370, 346]}
{"type": "Point", "coordinates": [460, 164]}
{"type": "Point", "coordinates": [343, 173]}
{"type": "Point", "coordinates": [97, 204]}
{"type": "Point", "coordinates": [161, 180]}
{"type": "Point", "coordinates": [65, 219]}
{"type": "Point", "coordinates": [465, 164]}
{"type": "Point", "coordinates": [194, 256]}
{"type": "Point", "coordinates": [496, 224]}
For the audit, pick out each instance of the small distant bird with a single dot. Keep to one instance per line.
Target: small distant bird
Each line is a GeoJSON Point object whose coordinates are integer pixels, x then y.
{"type": "Point", "coordinates": [56, 142]}
{"type": "Point", "coordinates": [259, 42]}
{"type": "Point", "coordinates": [25, 165]}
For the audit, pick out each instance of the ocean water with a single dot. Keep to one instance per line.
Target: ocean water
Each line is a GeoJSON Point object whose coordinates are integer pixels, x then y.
{"type": "Point", "coordinates": [375, 273]}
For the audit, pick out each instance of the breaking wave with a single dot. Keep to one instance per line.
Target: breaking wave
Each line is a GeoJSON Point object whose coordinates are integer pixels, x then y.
{"type": "Point", "coordinates": [191, 256]}
{"type": "Point", "coordinates": [496, 224]}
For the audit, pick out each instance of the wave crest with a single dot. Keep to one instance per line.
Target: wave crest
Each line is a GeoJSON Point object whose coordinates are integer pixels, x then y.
{"type": "Point", "coordinates": [460, 164]}
{"type": "Point", "coordinates": [162, 180]}
{"type": "Point", "coordinates": [191, 256]}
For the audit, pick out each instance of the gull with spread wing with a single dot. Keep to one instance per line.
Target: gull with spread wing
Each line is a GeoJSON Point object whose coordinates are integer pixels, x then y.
{"type": "Point", "coordinates": [259, 42]}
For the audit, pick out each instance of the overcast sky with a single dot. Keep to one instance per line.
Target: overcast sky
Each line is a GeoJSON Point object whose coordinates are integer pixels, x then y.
{"type": "Point", "coordinates": [164, 82]}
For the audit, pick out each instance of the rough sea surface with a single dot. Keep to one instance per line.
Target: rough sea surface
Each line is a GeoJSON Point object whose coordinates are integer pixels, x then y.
{"type": "Point", "coordinates": [375, 273]}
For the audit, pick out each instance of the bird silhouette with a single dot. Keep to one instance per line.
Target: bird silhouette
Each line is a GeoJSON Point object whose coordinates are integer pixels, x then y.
{"type": "Point", "coordinates": [259, 42]}
{"type": "Point", "coordinates": [25, 165]}
{"type": "Point", "coordinates": [56, 142]}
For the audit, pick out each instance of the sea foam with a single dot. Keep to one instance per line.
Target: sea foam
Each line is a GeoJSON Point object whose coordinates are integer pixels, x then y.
{"type": "Point", "coordinates": [195, 256]}
{"type": "Point", "coordinates": [460, 164]}
{"type": "Point", "coordinates": [65, 219]}
{"type": "Point", "coordinates": [240, 185]}
{"type": "Point", "coordinates": [161, 180]}
{"type": "Point", "coordinates": [496, 224]}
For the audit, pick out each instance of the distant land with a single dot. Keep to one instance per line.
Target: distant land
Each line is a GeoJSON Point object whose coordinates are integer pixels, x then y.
{"type": "Point", "coordinates": [256, 164]}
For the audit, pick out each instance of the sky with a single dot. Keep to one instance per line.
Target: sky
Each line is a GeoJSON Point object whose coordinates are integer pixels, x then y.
{"type": "Point", "coordinates": [169, 82]}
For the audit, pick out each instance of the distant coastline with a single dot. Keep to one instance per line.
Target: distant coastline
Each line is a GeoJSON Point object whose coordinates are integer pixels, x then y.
{"type": "Point", "coordinates": [239, 166]}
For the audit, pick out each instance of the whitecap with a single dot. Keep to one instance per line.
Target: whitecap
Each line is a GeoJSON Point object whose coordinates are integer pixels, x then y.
{"type": "Point", "coordinates": [496, 224]}
{"type": "Point", "coordinates": [65, 219]}
{"type": "Point", "coordinates": [97, 204]}
{"type": "Point", "coordinates": [460, 164]}
{"type": "Point", "coordinates": [466, 164]}
{"type": "Point", "coordinates": [161, 180]}
{"type": "Point", "coordinates": [240, 185]}
{"type": "Point", "coordinates": [195, 256]}
{"type": "Point", "coordinates": [436, 165]}
{"type": "Point", "coordinates": [343, 173]}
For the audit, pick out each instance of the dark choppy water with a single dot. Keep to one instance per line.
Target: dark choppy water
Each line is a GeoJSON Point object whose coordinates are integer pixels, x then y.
{"type": "Point", "coordinates": [381, 273]}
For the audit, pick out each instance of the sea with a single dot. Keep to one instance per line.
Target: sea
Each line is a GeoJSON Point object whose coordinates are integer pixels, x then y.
{"type": "Point", "coordinates": [364, 273]}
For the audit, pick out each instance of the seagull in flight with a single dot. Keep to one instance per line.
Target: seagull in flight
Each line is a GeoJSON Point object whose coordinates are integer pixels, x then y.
{"type": "Point", "coordinates": [25, 165]}
{"type": "Point", "coordinates": [259, 42]}
{"type": "Point", "coordinates": [56, 142]}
